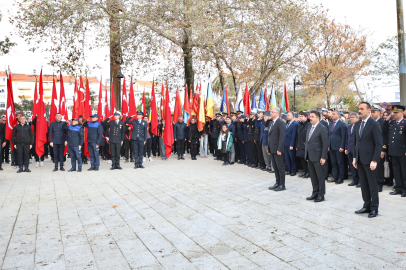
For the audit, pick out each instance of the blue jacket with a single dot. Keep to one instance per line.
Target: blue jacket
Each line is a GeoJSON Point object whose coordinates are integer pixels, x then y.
{"type": "Point", "coordinates": [337, 136]}
{"type": "Point", "coordinates": [94, 132]}
{"type": "Point", "coordinates": [179, 131]}
{"type": "Point", "coordinates": [349, 141]}
{"type": "Point", "coordinates": [264, 132]}
{"type": "Point", "coordinates": [74, 135]}
{"type": "Point", "coordinates": [291, 133]}
{"type": "Point", "coordinates": [139, 129]}
{"type": "Point", "coordinates": [231, 127]}
{"type": "Point", "coordinates": [57, 132]}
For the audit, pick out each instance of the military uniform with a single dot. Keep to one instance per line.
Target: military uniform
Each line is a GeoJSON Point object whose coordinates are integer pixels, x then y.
{"type": "Point", "coordinates": [258, 144]}
{"type": "Point", "coordinates": [57, 136]}
{"type": "Point", "coordinates": [247, 147]}
{"type": "Point", "coordinates": [138, 138]}
{"type": "Point", "coordinates": [397, 152]}
{"type": "Point", "coordinates": [116, 138]}
{"type": "Point", "coordinates": [94, 138]}
{"type": "Point", "coordinates": [253, 148]}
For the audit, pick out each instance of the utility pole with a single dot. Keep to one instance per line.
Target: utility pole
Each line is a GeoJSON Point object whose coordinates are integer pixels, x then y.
{"type": "Point", "coordinates": [401, 46]}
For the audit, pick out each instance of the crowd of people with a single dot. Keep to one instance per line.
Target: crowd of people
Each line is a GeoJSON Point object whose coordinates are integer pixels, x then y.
{"type": "Point", "coordinates": [370, 144]}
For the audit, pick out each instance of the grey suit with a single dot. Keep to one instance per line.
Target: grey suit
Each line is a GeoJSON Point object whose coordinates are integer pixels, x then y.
{"type": "Point", "coordinates": [276, 140]}
{"type": "Point", "coordinates": [317, 148]}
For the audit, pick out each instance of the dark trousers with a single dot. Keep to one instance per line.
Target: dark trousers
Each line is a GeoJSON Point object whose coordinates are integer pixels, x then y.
{"type": "Point", "coordinates": [237, 150]}
{"type": "Point", "coordinates": [155, 146]}
{"type": "Point", "coordinates": [75, 155]}
{"type": "Point", "coordinates": [138, 147]}
{"type": "Point", "coordinates": [212, 143]}
{"type": "Point", "coordinates": [305, 165]}
{"type": "Point", "coordinates": [399, 170]}
{"type": "Point", "coordinates": [84, 158]}
{"type": "Point", "coordinates": [94, 155]}
{"type": "Point", "coordinates": [115, 154]}
{"type": "Point", "coordinates": [254, 155]}
{"type": "Point", "coordinates": [23, 152]}
{"type": "Point", "coordinates": [248, 152]}
{"type": "Point", "coordinates": [389, 180]}
{"type": "Point", "coordinates": [147, 147]}
{"type": "Point", "coordinates": [290, 159]}
{"type": "Point", "coordinates": [279, 167]}
{"type": "Point", "coordinates": [128, 149]}
{"type": "Point", "coordinates": [193, 149]}
{"type": "Point", "coordinates": [380, 172]}
{"type": "Point", "coordinates": [260, 155]}
{"type": "Point", "coordinates": [243, 155]}
{"type": "Point", "coordinates": [1, 152]}
{"type": "Point", "coordinates": [180, 146]}
{"type": "Point", "coordinates": [354, 172]}
{"type": "Point", "coordinates": [337, 163]}
{"type": "Point", "coordinates": [369, 186]}
{"type": "Point", "coordinates": [59, 150]}
{"type": "Point", "coordinates": [317, 177]}
{"type": "Point", "coordinates": [6, 151]}
{"type": "Point", "coordinates": [226, 157]}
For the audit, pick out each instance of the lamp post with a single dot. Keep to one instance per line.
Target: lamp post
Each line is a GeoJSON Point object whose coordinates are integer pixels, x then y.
{"type": "Point", "coordinates": [296, 81]}
{"type": "Point", "coordinates": [119, 77]}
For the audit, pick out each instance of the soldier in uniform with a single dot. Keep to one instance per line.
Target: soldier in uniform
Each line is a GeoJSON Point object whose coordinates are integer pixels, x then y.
{"type": "Point", "coordinates": [138, 137]}
{"type": "Point", "coordinates": [246, 142]}
{"type": "Point", "coordinates": [116, 139]}
{"type": "Point", "coordinates": [74, 140]}
{"type": "Point", "coordinates": [240, 140]}
{"type": "Point", "coordinates": [251, 132]}
{"type": "Point", "coordinates": [257, 140]}
{"type": "Point", "coordinates": [128, 146]}
{"type": "Point", "coordinates": [235, 122]}
{"type": "Point", "coordinates": [57, 140]}
{"type": "Point", "coordinates": [397, 149]}
{"type": "Point", "coordinates": [94, 137]}
{"type": "Point", "coordinates": [215, 134]}
{"type": "Point", "coordinates": [375, 114]}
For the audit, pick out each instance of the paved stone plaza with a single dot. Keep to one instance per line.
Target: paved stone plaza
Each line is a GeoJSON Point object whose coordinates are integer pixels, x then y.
{"type": "Point", "coordinates": [190, 215]}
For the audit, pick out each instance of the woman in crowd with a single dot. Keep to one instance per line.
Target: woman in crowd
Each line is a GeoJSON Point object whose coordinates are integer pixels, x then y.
{"type": "Point", "coordinates": [224, 144]}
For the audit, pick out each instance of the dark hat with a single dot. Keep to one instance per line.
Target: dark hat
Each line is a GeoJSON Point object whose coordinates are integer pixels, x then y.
{"type": "Point", "coordinates": [296, 115]}
{"type": "Point", "coordinates": [95, 116]}
{"type": "Point", "coordinates": [140, 113]}
{"type": "Point", "coordinates": [241, 117]}
{"type": "Point", "coordinates": [284, 117]}
{"type": "Point", "coordinates": [375, 108]}
{"type": "Point", "coordinates": [75, 119]}
{"type": "Point", "coordinates": [398, 108]}
{"type": "Point", "coordinates": [233, 114]}
{"type": "Point", "coordinates": [267, 113]}
{"type": "Point", "coordinates": [341, 114]}
{"type": "Point", "coordinates": [240, 112]}
{"type": "Point", "coordinates": [117, 113]}
{"type": "Point", "coordinates": [218, 114]}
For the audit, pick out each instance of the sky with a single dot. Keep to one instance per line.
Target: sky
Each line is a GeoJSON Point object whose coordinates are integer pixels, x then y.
{"type": "Point", "coordinates": [377, 17]}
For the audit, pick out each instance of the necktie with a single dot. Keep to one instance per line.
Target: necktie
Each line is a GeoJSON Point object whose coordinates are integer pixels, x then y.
{"type": "Point", "coordinates": [310, 134]}
{"type": "Point", "coordinates": [271, 126]}
{"type": "Point", "coordinates": [362, 128]}
{"type": "Point", "coordinates": [332, 128]}
{"type": "Point", "coordinates": [287, 126]}
{"type": "Point", "coordinates": [352, 129]}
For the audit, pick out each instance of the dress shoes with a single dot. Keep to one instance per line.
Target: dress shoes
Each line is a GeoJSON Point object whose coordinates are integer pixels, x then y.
{"type": "Point", "coordinates": [254, 165]}
{"type": "Point", "coordinates": [314, 196]}
{"type": "Point", "coordinates": [80, 170]}
{"type": "Point", "coordinates": [1, 168]}
{"type": "Point", "coordinates": [286, 173]}
{"type": "Point", "coordinates": [301, 175]}
{"type": "Point", "coordinates": [96, 168]}
{"type": "Point", "coordinates": [141, 166]}
{"type": "Point", "coordinates": [353, 183]}
{"type": "Point", "coordinates": [293, 174]}
{"type": "Point", "coordinates": [118, 167]}
{"type": "Point", "coordinates": [373, 213]}
{"type": "Point", "coordinates": [112, 168]}
{"type": "Point", "coordinates": [62, 169]}
{"type": "Point", "coordinates": [91, 169]}
{"type": "Point", "coordinates": [395, 192]}
{"type": "Point", "coordinates": [339, 182]}
{"type": "Point", "coordinates": [264, 169]}
{"type": "Point", "coordinates": [307, 175]}
{"type": "Point", "coordinates": [332, 180]}
{"type": "Point", "coordinates": [363, 211]}
{"type": "Point", "coordinates": [403, 194]}
{"type": "Point", "coordinates": [55, 169]}
{"type": "Point", "coordinates": [27, 170]}
{"type": "Point", "coordinates": [319, 199]}
{"type": "Point", "coordinates": [379, 188]}
{"type": "Point", "coordinates": [136, 167]}
{"type": "Point", "coordinates": [72, 170]}
{"type": "Point", "coordinates": [20, 170]}
{"type": "Point", "coordinates": [280, 188]}
{"type": "Point", "coordinates": [358, 185]}
{"type": "Point", "coordinates": [273, 187]}
{"type": "Point", "coordinates": [271, 171]}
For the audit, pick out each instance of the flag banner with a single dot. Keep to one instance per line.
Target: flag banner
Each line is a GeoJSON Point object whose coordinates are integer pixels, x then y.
{"type": "Point", "coordinates": [10, 113]}
{"type": "Point", "coordinates": [247, 104]}
{"type": "Point", "coordinates": [81, 99]}
{"type": "Point", "coordinates": [223, 107]}
{"type": "Point", "coordinates": [201, 119]}
{"type": "Point", "coordinates": [227, 103]}
{"type": "Point", "coordinates": [54, 104]}
{"type": "Point", "coordinates": [112, 101]}
{"type": "Point", "coordinates": [261, 105]}
{"type": "Point", "coordinates": [124, 104]}
{"type": "Point", "coordinates": [153, 116]}
{"type": "Point", "coordinates": [41, 122]}
{"type": "Point", "coordinates": [178, 110]}
{"type": "Point", "coordinates": [254, 104]}
{"type": "Point", "coordinates": [209, 101]}
{"type": "Point", "coordinates": [273, 98]}
{"type": "Point", "coordinates": [266, 99]}
{"type": "Point", "coordinates": [132, 108]}
{"type": "Point", "coordinates": [63, 110]}
{"type": "Point", "coordinates": [100, 105]}
{"type": "Point", "coordinates": [168, 131]}
{"type": "Point", "coordinates": [239, 103]}
{"type": "Point", "coordinates": [144, 108]}
{"type": "Point", "coordinates": [186, 107]}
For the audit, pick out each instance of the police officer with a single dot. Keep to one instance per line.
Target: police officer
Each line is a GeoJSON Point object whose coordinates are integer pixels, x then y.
{"type": "Point", "coordinates": [215, 134]}
{"type": "Point", "coordinates": [22, 140]}
{"type": "Point", "coordinates": [397, 149]}
{"type": "Point", "coordinates": [57, 140]}
{"type": "Point", "coordinates": [240, 140]}
{"type": "Point", "coordinates": [246, 143]}
{"type": "Point", "coordinates": [257, 140]}
{"type": "Point", "coordinates": [251, 134]}
{"type": "Point", "coordinates": [74, 140]}
{"type": "Point", "coordinates": [94, 137]}
{"type": "Point", "coordinates": [116, 138]}
{"type": "Point", "coordinates": [138, 137]}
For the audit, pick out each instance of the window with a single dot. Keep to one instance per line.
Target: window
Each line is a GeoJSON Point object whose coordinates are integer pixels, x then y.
{"type": "Point", "coordinates": [2, 105]}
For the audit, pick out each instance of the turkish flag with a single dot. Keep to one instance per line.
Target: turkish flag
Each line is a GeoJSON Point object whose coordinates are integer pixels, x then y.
{"type": "Point", "coordinates": [75, 109]}
{"type": "Point", "coordinates": [132, 110]}
{"type": "Point", "coordinates": [246, 101]}
{"type": "Point", "coordinates": [81, 99]}
{"type": "Point", "coordinates": [41, 125]}
{"type": "Point", "coordinates": [196, 101]}
{"type": "Point", "coordinates": [112, 101]}
{"type": "Point", "coordinates": [54, 104]}
{"type": "Point", "coordinates": [11, 113]}
{"type": "Point", "coordinates": [62, 106]}
{"type": "Point", "coordinates": [106, 105]}
{"type": "Point", "coordinates": [168, 132]}
{"type": "Point", "coordinates": [34, 105]}
{"type": "Point", "coordinates": [88, 113]}
{"type": "Point", "coordinates": [178, 110]}
{"type": "Point", "coordinates": [162, 109]}
{"type": "Point", "coordinates": [124, 105]}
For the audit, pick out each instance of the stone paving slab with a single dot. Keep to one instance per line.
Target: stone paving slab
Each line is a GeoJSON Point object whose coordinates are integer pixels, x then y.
{"type": "Point", "coordinates": [190, 215]}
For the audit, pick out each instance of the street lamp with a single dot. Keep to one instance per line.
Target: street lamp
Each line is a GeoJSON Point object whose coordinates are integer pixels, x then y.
{"type": "Point", "coordinates": [119, 77]}
{"type": "Point", "coordinates": [296, 81]}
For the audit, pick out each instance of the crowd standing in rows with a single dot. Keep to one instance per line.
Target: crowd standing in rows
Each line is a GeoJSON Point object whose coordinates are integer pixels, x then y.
{"type": "Point", "coordinates": [370, 143]}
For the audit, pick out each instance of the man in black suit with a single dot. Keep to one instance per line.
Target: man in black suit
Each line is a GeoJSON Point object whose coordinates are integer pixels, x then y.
{"type": "Point", "coordinates": [367, 152]}
{"type": "Point", "coordinates": [276, 140]}
{"type": "Point", "coordinates": [337, 130]}
{"type": "Point", "coordinates": [349, 148]}
{"type": "Point", "coordinates": [316, 155]}
{"type": "Point", "coordinates": [376, 115]}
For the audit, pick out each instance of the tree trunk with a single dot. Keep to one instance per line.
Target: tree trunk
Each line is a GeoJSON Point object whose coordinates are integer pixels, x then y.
{"type": "Point", "coordinates": [188, 61]}
{"type": "Point", "coordinates": [115, 55]}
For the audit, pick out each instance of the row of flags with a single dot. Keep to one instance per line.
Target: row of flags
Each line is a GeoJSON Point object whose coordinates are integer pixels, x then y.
{"type": "Point", "coordinates": [200, 106]}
